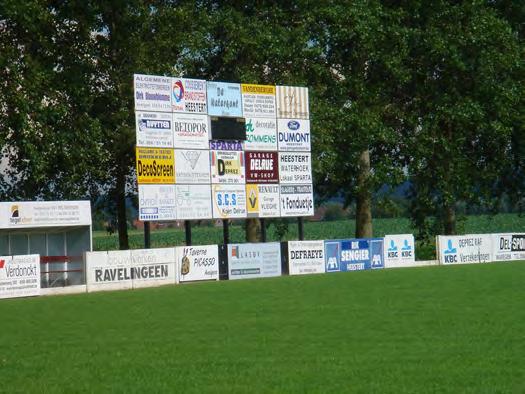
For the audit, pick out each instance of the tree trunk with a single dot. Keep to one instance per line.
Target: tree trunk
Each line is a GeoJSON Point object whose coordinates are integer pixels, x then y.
{"type": "Point", "coordinates": [450, 220]}
{"type": "Point", "coordinates": [121, 212]}
{"type": "Point", "coordinates": [253, 230]}
{"type": "Point", "coordinates": [363, 218]}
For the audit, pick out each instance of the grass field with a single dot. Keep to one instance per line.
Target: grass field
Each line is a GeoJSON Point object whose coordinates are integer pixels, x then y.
{"type": "Point", "coordinates": [313, 230]}
{"type": "Point", "coordinates": [421, 330]}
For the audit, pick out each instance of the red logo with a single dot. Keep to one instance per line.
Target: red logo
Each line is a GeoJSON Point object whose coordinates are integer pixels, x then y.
{"type": "Point", "coordinates": [2, 263]}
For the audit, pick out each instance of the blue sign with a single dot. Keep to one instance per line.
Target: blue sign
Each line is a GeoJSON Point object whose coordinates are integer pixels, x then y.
{"type": "Point", "coordinates": [224, 99]}
{"type": "Point", "coordinates": [354, 254]}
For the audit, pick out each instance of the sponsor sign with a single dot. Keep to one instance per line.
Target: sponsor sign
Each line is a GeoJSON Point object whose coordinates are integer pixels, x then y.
{"type": "Point", "coordinates": [297, 200]}
{"type": "Point", "coordinates": [262, 200]}
{"type": "Point", "coordinates": [506, 247]}
{"type": "Point", "coordinates": [155, 165]}
{"type": "Point", "coordinates": [354, 254]}
{"type": "Point", "coordinates": [226, 145]}
{"type": "Point", "coordinates": [224, 99]}
{"type": "Point", "coordinates": [192, 166]}
{"type": "Point", "coordinates": [292, 102]}
{"type": "Point", "coordinates": [295, 167]}
{"type": "Point", "coordinates": [293, 135]}
{"type": "Point", "coordinates": [152, 93]}
{"type": "Point", "coordinates": [193, 202]}
{"type": "Point", "coordinates": [464, 249]}
{"type": "Point", "coordinates": [109, 270]}
{"type": "Point", "coordinates": [227, 167]}
{"type": "Point", "coordinates": [19, 276]}
{"type": "Point", "coordinates": [258, 260]}
{"type": "Point", "coordinates": [188, 95]}
{"type": "Point", "coordinates": [262, 167]}
{"type": "Point", "coordinates": [197, 263]}
{"type": "Point", "coordinates": [261, 134]}
{"type": "Point", "coordinates": [306, 257]}
{"type": "Point", "coordinates": [229, 201]}
{"type": "Point", "coordinates": [152, 267]}
{"type": "Point", "coordinates": [190, 131]}
{"type": "Point", "coordinates": [157, 202]}
{"type": "Point", "coordinates": [399, 250]}
{"type": "Point", "coordinates": [24, 214]}
{"type": "Point", "coordinates": [258, 101]}
{"type": "Point", "coordinates": [154, 129]}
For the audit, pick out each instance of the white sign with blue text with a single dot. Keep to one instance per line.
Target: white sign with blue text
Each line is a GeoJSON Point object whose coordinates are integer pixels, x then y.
{"type": "Point", "coordinates": [399, 250]}
{"type": "Point", "coordinates": [152, 93]}
{"type": "Point", "coordinates": [464, 249]}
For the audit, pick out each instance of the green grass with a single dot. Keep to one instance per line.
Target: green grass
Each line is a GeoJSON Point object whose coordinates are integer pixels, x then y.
{"type": "Point", "coordinates": [423, 330]}
{"type": "Point", "coordinates": [313, 230]}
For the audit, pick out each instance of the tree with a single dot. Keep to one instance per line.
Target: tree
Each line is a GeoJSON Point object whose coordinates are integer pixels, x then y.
{"type": "Point", "coordinates": [359, 79]}
{"type": "Point", "coordinates": [466, 93]}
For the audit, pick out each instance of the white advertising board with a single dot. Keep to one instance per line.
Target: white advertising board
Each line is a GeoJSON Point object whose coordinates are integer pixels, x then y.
{"type": "Point", "coordinates": [157, 202]}
{"type": "Point", "coordinates": [190, 131]}
{"type": "Point", "coordinates": [257, 260]}
{"type": "Point", "coordinates": [152, 93]}
{"type": "Point", "coordinates": [258, 101]}
{"type": "Point", "coordinates": [297, 200]}
{"type": "Point", "coordinates": [293, 135]}
{"type": "Point", "coordinates": [19, 276]}
{"type": "Point", "coordinates": [399, 250]}
{"type": "Point", "coordinates": [197, 263]}
{"type": "Point", "coordinates": [188, 95]}
{"type": "Point", "coordinates": [193, 202]}
{"type": "Point", "coordinates": [25, 214]}
{"type": "Point", "coordinates": [154, 129]}
{"type": "Point", "coordinates": [295, 168]}
{"type": "Point", "coordinates": [224, 99]}
{"type": "Point", "coordinates": [292, 102]}
{"type": "Point", "coordinates": [509, 246]}
{"type": "Point", "coordinates": [192, 166]}
{"type": "Point", "coordinates": [464, 249]}
{"type": "Point", "coordinates": [229, 201]}
{"type": "Point", "coordinates": [153, 267]}
{"type": "Point", "coordinates": [227, 167]}
{"type": "Point", "coordinates": [262, 200]}
{"type": "Point", "coordinates": [306, 257]}
{"type": "Point", "coordinates": [108, 270]}
{"type": "Point", "coordinates": [261, 134]}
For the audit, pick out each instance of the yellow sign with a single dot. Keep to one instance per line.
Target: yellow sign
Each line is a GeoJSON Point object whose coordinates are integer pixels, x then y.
{"type": "Point", "coordinates": [257, 89]}
{"type": "Point", "coordinates": [155, 165]}
{"type": "Point", "coordinates": [252, 199]}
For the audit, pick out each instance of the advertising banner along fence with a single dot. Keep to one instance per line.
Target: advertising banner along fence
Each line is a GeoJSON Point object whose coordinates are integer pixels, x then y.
{"type": "Point", "coordinates": [464, 249]}
{"type": "Point", "coordinates": [257, 260]}
{"type": "Point", "coordinates": [152, 267]}
{"type": "Point", "coordinates": [399, 250]}
{"type": "Point", "coordinates": [507, 247]}
{"type": "Point", "coordinates": [306, 257]}
{"type": "Point", "coordinates": [196, 263]}
{"type": "Point", "coordinates": [19, 276]}
{"type": "Point", "coordinates": [354, 254]}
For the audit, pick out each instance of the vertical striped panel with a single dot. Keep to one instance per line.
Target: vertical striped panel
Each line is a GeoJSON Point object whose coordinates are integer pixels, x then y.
{"type": "Point", "coordinates": [292, 102]}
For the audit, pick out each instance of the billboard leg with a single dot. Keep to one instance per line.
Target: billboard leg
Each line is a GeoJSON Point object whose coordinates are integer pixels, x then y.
{"type": "Point", "coordinates": [263, 230]}
{"type": "Point", "coordinates": [147, 235]}
{"type": "Point", "coordinates": [225, 231]}
{"type": "Point", "coordinates": [300, 227]}
{"type": "Point", "coordinates": [187, 228]}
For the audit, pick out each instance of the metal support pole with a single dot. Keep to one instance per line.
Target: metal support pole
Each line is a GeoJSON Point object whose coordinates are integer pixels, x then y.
{"type": "Point", "coordinates": [187, 229]}
{"type": "Point", "coordinates": [226, 231]}
{"type": "Point", "coordinates": [300, 227]}
{"type": "Point", "coordinates": [263, 230]}
{"type": "Point", "coordinates": [147, 235]}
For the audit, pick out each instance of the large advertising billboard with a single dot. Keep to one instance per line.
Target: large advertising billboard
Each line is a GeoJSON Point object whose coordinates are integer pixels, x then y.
{"type": "Point", "coordinates": [509, 246]}
{"type": "Point", "coordinates": [190, 131]}
{"type": "Point", "coordinates": [19, 276]}
{"type": "Point", "coordinates": [297, 200]}
{"type": "Point", "coordinates": [262, 167]}
{"type": "Point", "coordinates": [293, 135]}
{"type": "Point", "coordinates": [229, 201]}
{"type": "Point", "coordinates": [227, 167]}
{"type": "Point", "coordinates": [196, 263]}
{"type": "Point", "coordinates": [464, 249]}
{"type": "Point", "coordinates": [224, 99]}
{"type": "Point", "coordinates": [155, 165]}
{"type": "Point", "coordinates": [306, 257]}
{"type": "Point", "coordinates": [152, 93]}
{"type": "Point", "coordinates": [354, 254]}
{"type": "Point", "coordinates": [262, 200]}
{"type": "Point", "coordinates": [154, 129]}
{"type": "Point", "coordinates": [188, 95]}
{"type": "Point", "coordinates": [399, 250]}
{"type": "Point", "coordinates": [258, 101]}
